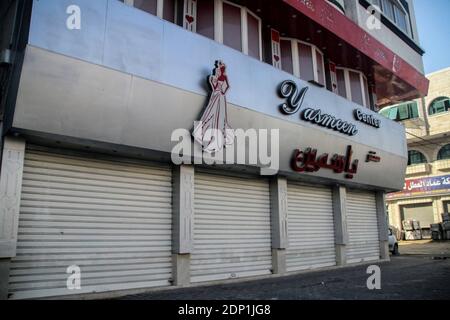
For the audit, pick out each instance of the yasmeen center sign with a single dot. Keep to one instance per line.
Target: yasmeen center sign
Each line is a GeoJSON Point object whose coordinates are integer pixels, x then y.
{"type": "Point", "coordinates": [213, 132]}
{"type": "Point", "coordinates": [308, 160]}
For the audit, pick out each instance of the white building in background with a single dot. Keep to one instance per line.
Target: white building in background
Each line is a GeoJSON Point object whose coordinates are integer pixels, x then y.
{"type": "Point", "coordinates": [426, 194]}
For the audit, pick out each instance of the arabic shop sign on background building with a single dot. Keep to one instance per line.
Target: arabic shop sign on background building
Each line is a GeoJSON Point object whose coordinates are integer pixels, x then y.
{"type": "Point", "coordinates": [425, 186]}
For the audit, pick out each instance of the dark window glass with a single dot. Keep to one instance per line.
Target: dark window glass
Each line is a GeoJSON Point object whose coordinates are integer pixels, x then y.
{"type": "Point", "coordinates": [146, 5]}
{"type": "Point", "coordinates": [444, 153]}
{"type": "Point", "coordinates": [286, 56]}
{"type": "Point", "coordinates": [400, 19]}
{"type": "Point", "coordinates": [320, 70]}
{"type": "Point", "coordinates": [341, 83]}
{"type": "Point", "coordinates": [403, 112]}
{"type": "Point", "coordinates": [232, 26]}
{"type": "Point", "coordinates": [306, 62]}
{"type": "Point", "coordinates": [253, 36]}
{"type": "Point", "coordinates": [355, 85]}
{"type": "Point", "coordinates": [385, 112]}
{"type": "Point", "coordinates": [205, 18]}
{"type": "Point", "coordinates": [366, 93]}
{"type": "Point", "coordinates": [169, 10]}
{"type": "Point", "coordinates": [439, 105]}
{"type": "Point", "coordinates": [416, 157]}
{"type": "Point", "coordinates": [393, 113]}
{"type": "Point", "coordinates": [388, 9]}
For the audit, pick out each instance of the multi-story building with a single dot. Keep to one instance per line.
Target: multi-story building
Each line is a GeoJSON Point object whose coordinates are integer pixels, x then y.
{"type": "Point", "coordinates": [426, 194]}
{"type": "Point", "coordinates": [98, 95]}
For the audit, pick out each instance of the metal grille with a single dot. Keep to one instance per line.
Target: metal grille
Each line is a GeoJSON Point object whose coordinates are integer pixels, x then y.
{"type": "Point", "coordinates": [310, 228]}
{"type": "Point", "coordinates": [112, 219]}
{"type": "Point", "coordinates": [232, 228]}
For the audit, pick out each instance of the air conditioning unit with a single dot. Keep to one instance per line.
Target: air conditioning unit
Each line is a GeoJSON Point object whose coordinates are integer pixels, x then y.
{"type": "Point", "coordinates": [6, 56]}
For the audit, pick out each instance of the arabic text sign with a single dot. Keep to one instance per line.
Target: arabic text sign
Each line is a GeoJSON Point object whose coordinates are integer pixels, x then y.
{"type": "Point", "coordinates": [423, 186]}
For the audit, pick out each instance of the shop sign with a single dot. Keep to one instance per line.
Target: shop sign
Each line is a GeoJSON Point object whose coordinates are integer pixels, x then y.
{"type": "Point", "coordinates": [308, 161]}
{"type": "Point", "coordinates": [423, 186]}
{"type": "Point", "coordinates": [294, 100]}
{"type": "Point", "coordinates": [367, 118]}
{"type": "Point", "coordinates": [213, 132]}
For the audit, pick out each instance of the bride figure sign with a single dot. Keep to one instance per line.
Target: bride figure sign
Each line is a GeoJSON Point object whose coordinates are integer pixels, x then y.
{"type": "Point", "coordinates": [213, 131]}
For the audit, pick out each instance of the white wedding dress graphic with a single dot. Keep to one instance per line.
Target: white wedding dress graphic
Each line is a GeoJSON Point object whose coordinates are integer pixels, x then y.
{"type": "Point", "coordinates": [213, 132]}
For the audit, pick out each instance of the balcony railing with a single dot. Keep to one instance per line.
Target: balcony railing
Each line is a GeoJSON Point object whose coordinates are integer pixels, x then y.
{"type": "Point", "coordinates": [443, 165]}
{"type": "Point", "coordinates": [416, 169]}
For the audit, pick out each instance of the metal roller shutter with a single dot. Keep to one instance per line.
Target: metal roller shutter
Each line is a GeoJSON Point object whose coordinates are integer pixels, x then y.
{"type": "Point", "coordinates": [310, 228]}
{"type": "Point", "coordinates": [112, 219]}
{"type": "Point", "coordinates": [362, 227]}
{"type": "Point", "coordinates": [232, 235]}
{"type": "Point", "coordinates": [422, 212]}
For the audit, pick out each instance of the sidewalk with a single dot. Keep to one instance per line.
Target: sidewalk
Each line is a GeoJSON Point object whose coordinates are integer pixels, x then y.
{"type": "Point", "coordinates": [425, 247]}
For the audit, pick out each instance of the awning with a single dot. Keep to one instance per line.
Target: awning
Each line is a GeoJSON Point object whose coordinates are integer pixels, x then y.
{"type": "Point", "coordinates": [395, 79]}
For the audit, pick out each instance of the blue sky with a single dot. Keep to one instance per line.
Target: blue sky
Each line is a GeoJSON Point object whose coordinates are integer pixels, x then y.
{"type": "Point", "coordinates": [433, 22]}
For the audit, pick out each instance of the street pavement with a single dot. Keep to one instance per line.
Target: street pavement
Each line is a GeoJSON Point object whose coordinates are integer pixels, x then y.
{"type": "Point", "coordinates": [422, 271]}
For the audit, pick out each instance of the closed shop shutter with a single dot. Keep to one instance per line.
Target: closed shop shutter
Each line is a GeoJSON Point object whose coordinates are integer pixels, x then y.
{"type": "Point", "coordinates": [111, 219]}
{"type": "Point", "coordinates": [422, 212]}
{"type": "Point", "coordinates": [310, 228]}
{"type": "Point", "coordinates": [362, 227]}
{"type": "Point", "coordinates": [232, 235]}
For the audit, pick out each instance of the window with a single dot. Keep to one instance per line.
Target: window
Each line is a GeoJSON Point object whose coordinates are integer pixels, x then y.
{"type": "Point", "coordinates": [241, 29]}
{"type": "Point", "coordinates": [388, 9]}
{"type": "Point", "coordinates": [169, 10]}
{"type": "Point", "coordinates": [444, 153]}
{"type": "Point", "coordinates": [400, 19]}
{"type": "Point", "coordinates": [342, 91]}
{"type": "Point", "coordinates": [205, 18]}
{"type": "Point", "coordinates": [395, 12]}
{"type": "Point", "coordinates": [286, 56]}
{"type": "Point", "coordinates": [306, 63]}
{"type": "Point", "coordinates": [149, 6]}
{"type": "Point", "coordinates": [353, 85]}
{"type": "Point", "coordinates": [303, 60]}
{"type": "Point", "coordinates": [253, 35]}
{"type": "Point", "coordinates": [416, 157]}
{"type": "Point", "coordinates": [439, 105]}
{"type": "Point", "coordinates": [164, 9]}
{"type": "Point", "coordinates": [232, 26]}
{"type": "Point", "coordinates": [402, 112]}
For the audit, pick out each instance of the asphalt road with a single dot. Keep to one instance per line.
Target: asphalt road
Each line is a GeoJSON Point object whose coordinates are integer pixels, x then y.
{"type": "Point", "coordinates": [409, 276]}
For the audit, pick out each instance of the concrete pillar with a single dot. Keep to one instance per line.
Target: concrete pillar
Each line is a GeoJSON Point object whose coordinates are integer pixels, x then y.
{"type": "Point", "coordinates": [183, 227]}
{"type": "Point", "coordinates": [10, 193]}
{"type": "Point", "coordinates": [279, 208]}
{"type": "Point", "coordinates": [383, 234]}
{"type": "Point", "coordinates": [439, 210]}
{"type": "Point", "coordinates": [340, 223]}
{"type": "Point", "coordinates": [4, 277]}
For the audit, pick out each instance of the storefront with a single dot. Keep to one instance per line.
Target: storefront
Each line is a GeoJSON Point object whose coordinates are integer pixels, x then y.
{"type": "Point", "coordinates": [98, 132]}
{"type": "Point", "coordinates": [422, 199]}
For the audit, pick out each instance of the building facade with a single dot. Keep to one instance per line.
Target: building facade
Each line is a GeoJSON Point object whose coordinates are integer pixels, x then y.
{"type": "Point", "coordinates": [106, 179]}
{"type": "Point", "coordinates": [426, 194]}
